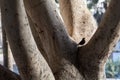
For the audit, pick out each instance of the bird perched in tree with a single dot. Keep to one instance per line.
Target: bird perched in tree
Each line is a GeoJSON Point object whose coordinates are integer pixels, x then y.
{"type": "Point", "coordinates": [82, 42]}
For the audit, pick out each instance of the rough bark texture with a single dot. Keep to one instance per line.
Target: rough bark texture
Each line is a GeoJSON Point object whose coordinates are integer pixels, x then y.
{"type": "Point", "coordinates": [30, 62]}
{"type": "Point", "coordinates": [7, 55]}
{"type": "Point", "coordinates": [78, 19]}
{"type": "Point", "coordinates": [61, 51]}
{"type": "Point", "coordinates": [37, 38]}
{"type": "Point", "coordinates": [101, 45]}
{"type": "Point", "coordinates": [66, 59]}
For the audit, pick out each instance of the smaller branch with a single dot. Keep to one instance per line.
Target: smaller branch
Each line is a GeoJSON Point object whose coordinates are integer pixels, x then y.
{"type": "Point", "coordinates": [8, 59]}
{"type": "Point", "coordinates": [107, 34]}
{"type": "Point", "coordinates": [56, 42]}
{"type": "Point", "coordinates": [78, 19]}
{"type": "Point", "coordinates": [96, 52]}
{"type": "Point", "coordinates": [6, 74]}
{"type": "Point", "coordinates": [31, 64]}
{"type": "Point", "coordinates": [37, 39]}
{"type": "Point", "coordinates": [61, 51]}
{"type": "Point", "coordinates": [66, 12]}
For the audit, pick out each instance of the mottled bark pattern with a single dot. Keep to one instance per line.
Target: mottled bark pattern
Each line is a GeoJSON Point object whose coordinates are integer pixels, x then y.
{"type": "Point", "coordinates": [56, 56]}
{"type": "Point", "coordinates": [78, 20]}
{"type": "Point", "coordinates": [7, 55]}
{"type": "Point", "coordinates": [30, 62]}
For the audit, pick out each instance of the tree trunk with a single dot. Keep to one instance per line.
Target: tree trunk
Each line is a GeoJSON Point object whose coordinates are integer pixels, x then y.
{"type": "Point", "coordinates": [29, 60]}
{"type": "Point", "coordinates": [101, 45]}
{"type": "Point", "coordinates": [61, 51]}
{"type": "Point", "coordinates": [8, 59]}
{"type": "Point", "coordinates": [46, 21]}
{"type": "Point", "coordinates": [61, 57]}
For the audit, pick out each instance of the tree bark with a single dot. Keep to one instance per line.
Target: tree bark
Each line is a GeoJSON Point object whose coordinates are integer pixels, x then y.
{"type": "Point", "coordinates": [49, 25]}
{"type": "Point", "coordinates": [78, 19]}
{"type": "Point", "coordinates": [61, 51]}
{"type": "Point", "coordinates": [66, 59]}
{"type": "Point", "coordinates": [37, 38]}
{"type": "Point", "coordinates": [95, 54]}
{"type": "Point", "coordinates": [6, 74]}
{"type": "Point", "coordinates": [29, 60]}
{"type": "Point", "coordinates": [7, 55]}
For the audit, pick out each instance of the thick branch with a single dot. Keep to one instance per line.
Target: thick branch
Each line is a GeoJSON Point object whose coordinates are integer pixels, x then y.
{"type": "Point", "coordinates": [6, 74]}
{"type": "Point", "coordinates": [107, 34]}
{"type": "Point", "coordinates": [37, 38]}
{"type": "Point", "coordinates": [78, 19]}
{"type": "Point", "coordinates": [59, 48]}
{"type": "Point", "coordinates": [29, 60]}
{"type": "Point", "coordinates": [95, 53]}
{"type": "Point", "coordinates": [56, 41]}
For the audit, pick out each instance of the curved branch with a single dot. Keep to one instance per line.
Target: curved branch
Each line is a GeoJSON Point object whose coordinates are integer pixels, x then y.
{"type": "Point", "coordinates": [61, 51]}
{"type": "Point", "coordinates": [78, 19]}
{"type": "Point", "coordinates": [30, 62]}
{"type": "Point", "coordinates": [37, 39]}
{"type": "Point", "coordinates": [96, 52]}
{"type": "Point", "coordinates": [107, 34]}
{"type": "Point", "coordinates": [6, 74]}
{"type": "Point", "coordinates": [55, 39]}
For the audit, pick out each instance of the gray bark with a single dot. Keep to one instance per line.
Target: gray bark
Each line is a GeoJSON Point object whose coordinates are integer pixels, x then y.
{"type": "Point", "coordinates": [29, 60]}
{"type": "Point", "coordinates": [7, 55]}
{"type": "Point", "coordinates": [101, 45]}
{"type": "Point", "coordinates": [66, 59]}
{"type": "Point", "coordinates": [78, 20]}
{"type": "Point", "coordinates": [46, 22]}
{"type": "Point", "coordinates": [61, 51]}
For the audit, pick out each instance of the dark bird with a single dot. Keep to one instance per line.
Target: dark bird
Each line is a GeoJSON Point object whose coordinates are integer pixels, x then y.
{"type": "Point", "coordinates": [82, 42]}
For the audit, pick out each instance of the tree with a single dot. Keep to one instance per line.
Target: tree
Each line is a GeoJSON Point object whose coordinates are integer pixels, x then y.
{"type": "Point", "coordinates": [51, 50]}
{"type": "Point", "coordinates": [8, 60]}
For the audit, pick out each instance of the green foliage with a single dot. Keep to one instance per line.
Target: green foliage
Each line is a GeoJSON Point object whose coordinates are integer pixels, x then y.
{"type": "Point", "coordinates": [113, 69]}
